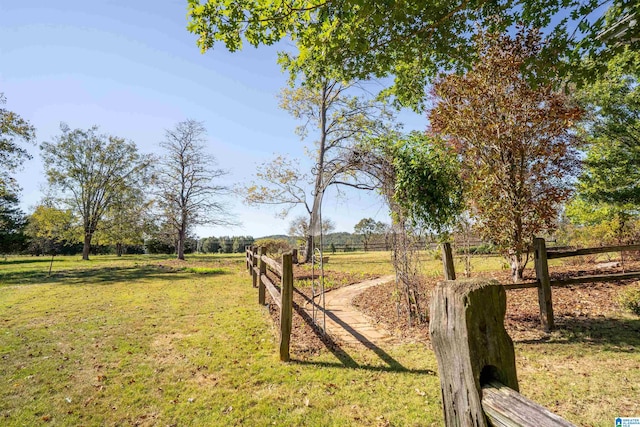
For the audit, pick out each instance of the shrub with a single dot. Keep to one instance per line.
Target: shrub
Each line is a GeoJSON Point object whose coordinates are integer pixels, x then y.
{"type": "Point", "coordinates": [630, 299]}
{"type": "Point", "coordinates": [274, 246]}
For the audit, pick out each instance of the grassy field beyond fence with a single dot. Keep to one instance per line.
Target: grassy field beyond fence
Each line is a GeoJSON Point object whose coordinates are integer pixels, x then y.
{"type": "Point", "coordinates": [150, 341]}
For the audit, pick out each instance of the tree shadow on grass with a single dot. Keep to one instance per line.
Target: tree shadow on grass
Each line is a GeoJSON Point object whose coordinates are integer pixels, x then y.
{"type": "Point", "coordinates": [45, 259]}
{"type": "Point", "coordinates": [345, 360]}
{"type": "Point", "coordinates": [95, 276]}
{"type": "Point", "coordinates": [614, 334]}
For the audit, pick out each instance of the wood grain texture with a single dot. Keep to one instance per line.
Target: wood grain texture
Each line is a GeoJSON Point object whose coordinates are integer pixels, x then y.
{"type": "Point", "coordinates": [544, 289]}
{"type": "Point", "coordinates": [507, 408]}
{"type": "Point", "coordinates": [286, 307]}
{"type": "Point", "coordinates": [470, 342]}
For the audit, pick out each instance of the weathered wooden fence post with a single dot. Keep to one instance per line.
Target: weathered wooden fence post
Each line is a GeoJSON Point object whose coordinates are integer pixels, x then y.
{"type": "Point", "coordinates": [254, 265]}
{"type": "Point", "coordinates": [476, 359]}
{"type": "Point", "coordinates": [262, 267]}
{"type": "Point", "coordinates": [471, 346]}
{"type": "Point", "coordinates": [286, 309]}
{"type": "Point", "coordinates": [447, 262]}
{"type": "Point", "coordinates": [544, 284]}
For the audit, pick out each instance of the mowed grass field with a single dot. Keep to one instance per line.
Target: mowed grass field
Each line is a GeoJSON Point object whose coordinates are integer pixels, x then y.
{"type": "Point", "coordinates": [145, 340]}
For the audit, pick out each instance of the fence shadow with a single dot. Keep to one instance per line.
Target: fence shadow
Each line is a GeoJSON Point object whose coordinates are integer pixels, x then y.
{"type": "Point", "coordinates": [94, 276]}
{"type": "Point", "coordinates": [345, 360]}
{"type": "Point", "coordinates": [615, 334]}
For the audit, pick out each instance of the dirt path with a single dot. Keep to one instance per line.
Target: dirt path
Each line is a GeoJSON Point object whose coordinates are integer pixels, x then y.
{"type": "Point", "coordinates": [347, 323]}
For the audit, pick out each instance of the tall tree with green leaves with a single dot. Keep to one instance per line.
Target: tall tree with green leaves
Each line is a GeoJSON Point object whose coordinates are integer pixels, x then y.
{"type": "Point", "coordinates": [413, 40]}
{"type": "Point", "coordinates": [514, 139]}
{"type": "Point", "coordinates": [608, 190]}
{"type": "Point", "coordinates": [339, 121]}
{"type": "Point", "coordinates": [611, 172]}
{"type": "Point", "coordinates": [15, 133]}
{"type": "Point", "coordinates": [127, 219]}
{"type": "Point", "coordinates": [189, 191]}
{"type": "Point", "coordinates": [367, 228]}
{"type": "Point", "coordinates": [88, 171]}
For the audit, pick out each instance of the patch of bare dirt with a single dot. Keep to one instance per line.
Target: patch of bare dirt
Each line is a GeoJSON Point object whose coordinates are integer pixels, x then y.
{"type": "Point", "coordinates": [572, 304]}
{"type": "Point", "coordinates": [306, 339]}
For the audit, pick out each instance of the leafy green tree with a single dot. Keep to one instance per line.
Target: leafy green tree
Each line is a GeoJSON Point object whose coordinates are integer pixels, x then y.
{"type": "Point", "coordinates": [412, 40]}
{"type": "Point", "coordinates": [211, 245]}
{"type": "Point", "coordinates": [607, 203]}
{"type": "Point", "coordinates": [611, 172]}
{"type": "Point", "coordinates": [518, 153]}
{"type": "Point", "coordinates": [50, 228]}
{"type": "Point", "coordinates": [89, 171]}
{"type": "Point", "coordinates": [339, 121]}
{"type": "Point", "coordinates": [595, 224]}
{"type": "Point", "coordinates": [366, 228]}
{"type": "Point", "coordinates": [237, 245]}
{"type": "Point", "coordinates": [274, 246]}
{"type": "Point", "coordinates": [189, 192]}
{"type": "Point", "coordinates": [12, 224]}
{"type": "Point", "coordinates": [126, 219]}
{"type": "Point", "coordinates": [14, 132]}
{"type": "Point", "coordinates": [369, 229]}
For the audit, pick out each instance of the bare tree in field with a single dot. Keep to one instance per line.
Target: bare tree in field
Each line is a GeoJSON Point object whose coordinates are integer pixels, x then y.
{"type": "Point", "coordinates": [341, 122]}
{"type": "Point", "coordinates": [188, 192]}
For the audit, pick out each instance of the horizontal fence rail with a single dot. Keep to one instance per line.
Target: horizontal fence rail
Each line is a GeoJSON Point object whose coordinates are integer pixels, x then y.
{"type": "Point", "coordinates": [554, 254]}
{"type": "Point", "coordinates": [611, 277]}
{"type": "Point", "coordinates": [543, 282]}
{"type": "Point", "coordinates": [506, 407]}
{"type": "Point", "coordinates": [257, 263]}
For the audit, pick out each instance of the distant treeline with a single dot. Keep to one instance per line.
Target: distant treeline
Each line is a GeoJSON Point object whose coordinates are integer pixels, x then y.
{"type": "Point", "coordinates": [331, 243]}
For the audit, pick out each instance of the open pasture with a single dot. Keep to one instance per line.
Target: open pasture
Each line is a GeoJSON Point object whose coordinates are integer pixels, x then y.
{"type": "Point", "coordinates": [142, 340]}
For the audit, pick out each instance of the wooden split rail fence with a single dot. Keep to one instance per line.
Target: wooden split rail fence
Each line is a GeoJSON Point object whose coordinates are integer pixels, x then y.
{"type": "Point", "coordinates": [543, 282]}
{"type": "Point", "coordinates": [257, 264]}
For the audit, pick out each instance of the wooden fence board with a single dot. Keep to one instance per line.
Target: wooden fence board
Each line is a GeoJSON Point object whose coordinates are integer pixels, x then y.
{"type": "Point", "coordinates": [275, 294]}
{"type": "Point", "coordinates": [523, 285]}
{"type": "Point", "coordinates": [506, 407]}
{"type": "Point", "coordinates": [591, 251]}
{"type": "Point", "coordinates": [612, 277]}
{"type": "Point", "coordinates": [273, 264]}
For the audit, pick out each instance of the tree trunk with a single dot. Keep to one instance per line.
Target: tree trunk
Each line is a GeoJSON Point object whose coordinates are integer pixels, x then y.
{"type": "Point", "coordinates": [517, 268]}
{"type": "Point", "coordinates": [51, 264]}
{"type": "Point", "coordinates": [180, 245]}
{"type": "Point", "coordinates": [308, 253]}
{"type": "Point", "coordinates": [87, 246]}
{"type": "Point", "coordinates": [119, 249]}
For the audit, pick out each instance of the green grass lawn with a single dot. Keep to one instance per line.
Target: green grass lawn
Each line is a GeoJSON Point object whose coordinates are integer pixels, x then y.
{"type": "Point", "coordinates": [139, 341]}
{"type": "Point", "coordinates": [144, 340]}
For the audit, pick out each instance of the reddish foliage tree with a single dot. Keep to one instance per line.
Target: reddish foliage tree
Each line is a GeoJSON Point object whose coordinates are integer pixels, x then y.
{"type": "Point", "coordinates": [514, 140]}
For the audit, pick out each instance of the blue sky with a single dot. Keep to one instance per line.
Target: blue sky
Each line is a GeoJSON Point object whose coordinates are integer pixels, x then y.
{"type": "Point", "coordinates": [133, 69]}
